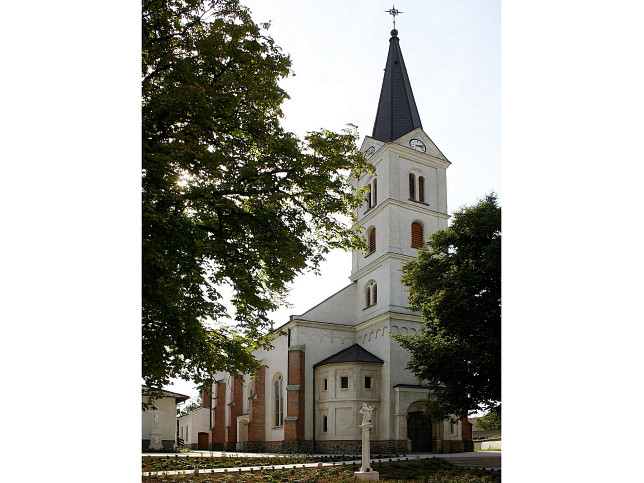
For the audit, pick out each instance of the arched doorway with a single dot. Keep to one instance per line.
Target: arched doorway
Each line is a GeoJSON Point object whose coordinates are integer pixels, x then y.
{"type": "Point", "coordinates": [419, 429]}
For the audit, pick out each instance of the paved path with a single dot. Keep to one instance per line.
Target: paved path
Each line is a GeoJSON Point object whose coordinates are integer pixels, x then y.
{"type": "Point", "coordinates": [470, 460]}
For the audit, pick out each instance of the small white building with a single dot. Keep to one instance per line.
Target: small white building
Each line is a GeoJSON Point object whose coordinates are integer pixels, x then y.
{"type": "Point", "coordinates": [194, 428]}
{"type": "Point", "coordinates": [160, 424]}
{"type": "Point", "coordinates": [339, 354]}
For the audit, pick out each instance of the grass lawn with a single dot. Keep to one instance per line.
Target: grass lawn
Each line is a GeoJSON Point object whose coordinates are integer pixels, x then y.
{"type": "Point", "coordinates": [424, 470]}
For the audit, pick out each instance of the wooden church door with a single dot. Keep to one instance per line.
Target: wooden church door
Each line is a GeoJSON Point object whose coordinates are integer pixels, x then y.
{"type": "Point", "coordinates": [419, 430]}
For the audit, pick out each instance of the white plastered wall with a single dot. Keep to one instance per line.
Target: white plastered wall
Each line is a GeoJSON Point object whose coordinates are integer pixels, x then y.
{"type": "Point", "coordinates": [167, 410]}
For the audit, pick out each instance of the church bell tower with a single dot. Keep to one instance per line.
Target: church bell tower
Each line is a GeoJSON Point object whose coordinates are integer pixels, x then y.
{"type": "Point", "coordinates": [407, 199]}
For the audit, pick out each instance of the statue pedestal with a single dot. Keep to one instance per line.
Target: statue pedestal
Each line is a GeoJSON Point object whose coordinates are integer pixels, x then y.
{"type": "Point", "coordinates": [366, 472]}
{"type": "Point", "coordinates": [156, 440]}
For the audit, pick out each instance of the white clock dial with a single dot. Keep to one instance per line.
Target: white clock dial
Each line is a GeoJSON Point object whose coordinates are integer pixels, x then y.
{"type": "Point", "coordinates": [418, 145]}
{"type": "Point", "coordinates": [369, 152]}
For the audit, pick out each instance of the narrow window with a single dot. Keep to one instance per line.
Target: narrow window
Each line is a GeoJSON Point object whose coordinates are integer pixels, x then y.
{"type": "Point", "coordinates": [279, 402]}
{"type": "Point", "coordinates": [368, 297]}
{"type": "Point", "coordinates": [421, 189]}
{"type": "Point", "coordinates": [372, 240]}
{"type": "Point", "coordinates": [324, 424]}
{"type": "Point", "coordinates": [375, 294]}
{"type": "Point", "coordinates": [375, 192]}
{"type": "Point", "coordinates": [324, 385]}
{"type": "Point", "coordinates": [344, 382]}
{"type": "Point", "coordinates": [367, 382]}
{"type": "Point", "coordinates": [416, 235]}
{"type": "Point", "coordinates": [369, 198]}
{"type": "Point", "coordinates": [412, 186]}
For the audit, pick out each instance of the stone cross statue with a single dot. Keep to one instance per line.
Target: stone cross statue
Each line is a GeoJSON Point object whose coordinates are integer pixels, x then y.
{"type": "Point", "coordinates": [366, 413]}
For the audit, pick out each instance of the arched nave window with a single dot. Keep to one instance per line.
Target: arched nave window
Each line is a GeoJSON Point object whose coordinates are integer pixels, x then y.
{"type": "Point", "coordinates": [278, 390]}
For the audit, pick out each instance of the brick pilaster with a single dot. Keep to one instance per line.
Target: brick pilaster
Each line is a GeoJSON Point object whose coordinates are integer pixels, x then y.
{"type": "Point", "coordinates": [236, 409]}
{"type": "Point", "coordinates": [294, 421]}
{"type": "Point", "coordinates": [257, 408]}
{"type": "Point", "coordinates": [205, 397]}
{"type": "Point", "coordinates": [219, 418]}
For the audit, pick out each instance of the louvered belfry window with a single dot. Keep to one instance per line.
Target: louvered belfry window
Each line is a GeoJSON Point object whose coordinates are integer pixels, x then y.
{"type": "Point", "coordinates": [412, 186]}
{"type": "Point", "coordinates": [374, 191]}
{"type": "Point", "coordinates": [372, 240]}
{"type": "Point", "coordinates": [416, 235]}
{"type": "Point", "coordinates": [368, 297]}
{"type": "Point", "coordinates": [421, 189]}
{"type": "Point", "coordinates": [375, 294]}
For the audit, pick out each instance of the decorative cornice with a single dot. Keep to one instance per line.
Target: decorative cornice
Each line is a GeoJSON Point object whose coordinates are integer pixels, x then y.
{"type": "Point", "coordinates": [374, 263]}
{"type": "Point", "coordinates": [412, 205]}
{"type": "Point", "coordinates": [388, 316]}
{"type": "Point", "coordinates": [316, 324]}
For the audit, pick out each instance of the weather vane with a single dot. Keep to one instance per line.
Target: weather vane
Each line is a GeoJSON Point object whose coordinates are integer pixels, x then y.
{"type": "Point", "coordinates": [393, 12]}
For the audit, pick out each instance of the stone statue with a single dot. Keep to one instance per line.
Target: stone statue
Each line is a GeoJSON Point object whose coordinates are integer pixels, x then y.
{"type": "Point", "coordinates": [366, 413]}
{"type": "Point", "coordinates": [366, 472]}
{"type": "Point", "coordinates": [156, 420]}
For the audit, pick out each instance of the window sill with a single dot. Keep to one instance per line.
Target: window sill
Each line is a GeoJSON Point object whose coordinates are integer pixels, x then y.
{"type": "Point", "coordinates": [419, 202]}
{"type": "Point", "coordinates": [369, 254]}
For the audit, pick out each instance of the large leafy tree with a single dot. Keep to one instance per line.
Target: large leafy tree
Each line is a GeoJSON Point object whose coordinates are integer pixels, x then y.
{"type": "Point", "coordinates": [456, 284]}
{"type": "Point", "coordinates": [229, 197]}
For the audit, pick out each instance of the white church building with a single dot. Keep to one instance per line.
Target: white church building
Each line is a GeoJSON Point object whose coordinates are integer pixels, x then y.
{"type": "Point", "coordinates": [339, 354]}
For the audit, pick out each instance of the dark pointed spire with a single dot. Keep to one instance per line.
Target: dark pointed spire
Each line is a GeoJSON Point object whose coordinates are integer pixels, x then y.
{"type": "Point", "coordinates": [397, 113]}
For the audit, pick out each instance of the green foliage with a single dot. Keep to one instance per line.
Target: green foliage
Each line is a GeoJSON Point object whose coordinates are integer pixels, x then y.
{"type": "Point", "coordinates": [190, 405]}
{"type": "Point", "coordinates": [492, 420]}
{"type": "Point", "coordinates": [230, 199]}
{"type": "Point", "coordinates": [456, 284]}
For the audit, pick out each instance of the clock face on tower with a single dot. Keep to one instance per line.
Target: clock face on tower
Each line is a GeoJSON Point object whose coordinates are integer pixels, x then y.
{"type": "Point", "coordinates": [369, 152]}
{"type": "Point", "coordinates": [418, 145]}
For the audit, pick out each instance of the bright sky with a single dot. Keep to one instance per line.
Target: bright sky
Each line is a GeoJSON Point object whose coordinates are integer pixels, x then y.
{"type": "Point", "coordinates": [452, 53]}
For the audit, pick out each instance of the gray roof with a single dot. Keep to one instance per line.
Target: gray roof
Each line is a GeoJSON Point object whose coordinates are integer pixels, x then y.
{"type": "Point", "coordinates": [355, 353]}
{"type": "Point", "coordinates": [164, 393]}
{"type": "Point", "coordinates": [397, 113]}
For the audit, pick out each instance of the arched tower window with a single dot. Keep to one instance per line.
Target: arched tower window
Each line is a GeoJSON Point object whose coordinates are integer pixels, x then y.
{"type": "Point", "coordinates": [278, 389]}
{"type": "Point", "coordinates": [371, 294]}
{"type": "Point", "coordinates": [372, 240]}
{"type": "Point", "coordinates": [416, 235]}
{"type": "Point", "coordinates": [412, 186]}
{"type": "Point", "coordinates": [421, 189]}
{"type": "Point", "coordinates": [369, 197]}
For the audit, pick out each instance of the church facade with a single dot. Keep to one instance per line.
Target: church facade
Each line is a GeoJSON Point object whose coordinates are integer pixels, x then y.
{"type": "Point", "coordinates": [339, 354]}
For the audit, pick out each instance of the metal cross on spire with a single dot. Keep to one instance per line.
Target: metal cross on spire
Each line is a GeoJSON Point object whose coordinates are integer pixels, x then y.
{"type": "Point", "coordinates": [393, 12]}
